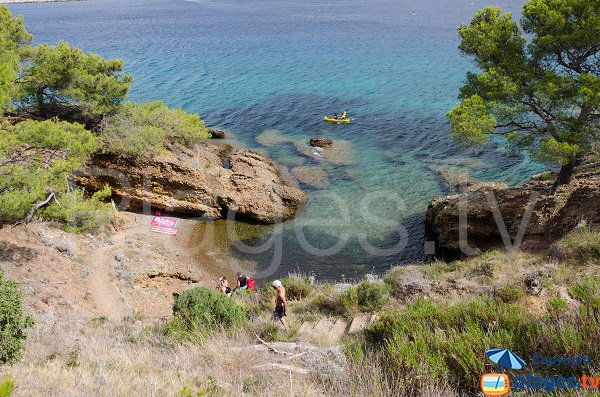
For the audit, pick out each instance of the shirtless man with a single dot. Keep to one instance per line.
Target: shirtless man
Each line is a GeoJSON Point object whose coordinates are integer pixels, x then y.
{"type": "Point", "coordinates": [281, 304]}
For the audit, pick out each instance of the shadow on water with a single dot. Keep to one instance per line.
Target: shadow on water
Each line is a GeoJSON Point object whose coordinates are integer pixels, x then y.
{"type": "Point", "coordinates": [351, 261]}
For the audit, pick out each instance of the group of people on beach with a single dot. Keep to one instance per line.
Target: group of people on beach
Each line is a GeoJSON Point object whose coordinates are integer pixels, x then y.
{"type": "Point", "coordinates": [242, 284]}
{"type": "Point", "coordinates": [246, 283]}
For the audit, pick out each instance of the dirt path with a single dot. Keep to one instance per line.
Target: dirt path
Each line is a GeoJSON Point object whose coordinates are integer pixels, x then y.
{"type": "Point", "coordinates": [109, 301]}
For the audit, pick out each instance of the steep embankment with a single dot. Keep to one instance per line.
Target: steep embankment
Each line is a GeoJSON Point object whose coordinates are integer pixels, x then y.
{"type": "Point", "coordinates": [204, 180]}
{"type": "Point", "coordinates": [548, 215]}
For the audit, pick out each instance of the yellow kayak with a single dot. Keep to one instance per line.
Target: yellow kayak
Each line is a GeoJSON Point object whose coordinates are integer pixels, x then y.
{"type": "Point", "coordinates": [332, 120]}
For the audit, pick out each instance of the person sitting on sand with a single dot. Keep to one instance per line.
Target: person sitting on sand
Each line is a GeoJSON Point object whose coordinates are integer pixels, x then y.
{"type": "Point", "coordinates": [281, 304]}
{"type": "Point", "coordinates": [242, 282]}
{"type": "Point", "coordinates": [224, 286]}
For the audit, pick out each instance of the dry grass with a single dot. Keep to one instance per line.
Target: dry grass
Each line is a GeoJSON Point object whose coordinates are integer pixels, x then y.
{"type": "Point", "coordinates": [99, 358]}
{"type": "Point", "coordinates": [134, 360]}
{"type": "Point", "coordinates": [68, 356]}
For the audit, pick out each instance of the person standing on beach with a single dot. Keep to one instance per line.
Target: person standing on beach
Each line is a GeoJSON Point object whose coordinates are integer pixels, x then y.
{"type": "Point", "coordinates": [281, 304]}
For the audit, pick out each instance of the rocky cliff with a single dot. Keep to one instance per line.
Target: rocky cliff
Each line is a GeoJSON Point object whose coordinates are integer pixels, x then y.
{"type": "Point", "coordinates": [206, 180]}
{"type": "Point", "coordinates": [551, 214]}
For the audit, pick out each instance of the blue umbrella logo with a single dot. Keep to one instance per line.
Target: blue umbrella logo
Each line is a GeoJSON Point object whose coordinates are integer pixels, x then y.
{"type": "Point", "coordinates": [505, 358]}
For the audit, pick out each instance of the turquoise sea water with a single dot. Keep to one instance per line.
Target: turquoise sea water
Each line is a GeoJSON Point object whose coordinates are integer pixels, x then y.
{"type": "Point", "coordinates": [251, 66]}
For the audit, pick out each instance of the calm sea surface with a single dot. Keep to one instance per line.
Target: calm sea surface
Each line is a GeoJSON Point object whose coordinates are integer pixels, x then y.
{"type": "Point", "coordinates": [270, 70]}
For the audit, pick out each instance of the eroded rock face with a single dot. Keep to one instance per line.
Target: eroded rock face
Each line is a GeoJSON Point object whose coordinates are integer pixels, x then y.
{"type": "Point", "coordinates": [553, 215]}
{"type": "Point", "coordinates": [207, 180]}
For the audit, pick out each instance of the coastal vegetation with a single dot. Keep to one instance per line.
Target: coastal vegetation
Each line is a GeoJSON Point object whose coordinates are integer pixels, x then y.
{"type": "Point", "coordinates": [428, 324]}
{"type": "Point", "coordinates": [200, 311]}
{"type": "Point", "coordinates": [145, 129]}
{"type": "Point", "coordinates": [13, 323]}
{"type": "Point", "coordinates": [436, 321]}
{"type": "Point", "coordinates": [538, 83]}
{"type": "Point", "coordinates": [61, 106]}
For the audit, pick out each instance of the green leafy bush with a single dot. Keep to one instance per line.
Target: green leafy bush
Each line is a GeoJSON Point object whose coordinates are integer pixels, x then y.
{"type": "Point", "coordinates": [331, 301]}
{"type": "Point", "coordinates": [510, 293]}
{"type": "Point", "coordinates": [587, 292]}
{"type": "Point", "coordinates": [200, 311]}
{"type": "Point", "coordinates": [36, 158]}
{"type": "Point", "coordinates": [79, 214]}
{"type": "Point", "coordinates": [297, 287]}
{"type": "Point", "coordinates": [557, 306]}
{"type": "Point", "coordinates": [328, 301]}
{"type": "Point", "coordinates": [6, 388]}
{"type": "Point", "coordinates": [14, 39]}
{"type": "Point", "coordinates": [395, 281]}
{"type": "Point", "coordinates": [147, 128]}
{"type": "Point", "coordinates": [63, 81]}
{"type": "Point", "coordinates": [371, 296]}
{"type": "Point", "coordinates": [349, 300]}
{"type": "Point", "coordinates": [12, 321]}
{"type": "Point", "coordinates": [582, 246]}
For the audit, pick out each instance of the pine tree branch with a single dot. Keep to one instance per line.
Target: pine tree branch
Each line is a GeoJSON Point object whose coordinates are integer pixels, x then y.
{"type": "Point", "coordinates": [51, 196]}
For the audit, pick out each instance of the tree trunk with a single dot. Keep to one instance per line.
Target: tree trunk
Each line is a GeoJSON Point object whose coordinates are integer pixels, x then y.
{"type": "Point", "coordinates": [566, 172]}
{"type": "Point", "coordinates": [39, 97]}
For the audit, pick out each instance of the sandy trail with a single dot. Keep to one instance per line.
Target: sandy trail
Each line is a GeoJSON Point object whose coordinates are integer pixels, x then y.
{"type": "Point", "coordinates": [110, 302]}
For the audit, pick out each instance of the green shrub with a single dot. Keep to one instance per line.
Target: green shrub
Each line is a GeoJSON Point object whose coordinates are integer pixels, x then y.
{"type": "Point", "coordinates": [297, 287]}
{"type": "Point", "coordinates": [436, 269]}
{"type": "Point", "coordinates": [250, 302]}
{"type": "Point", "coordinates": [582, 246]}
{"type": "Point", "coordinates": [587, 292]}
{"type": "Point", "coordinates": [147, 128]}
{"type": "Point", "coordinates": [329, 302]}
{"type": "Point", "coordinates": [510, 293]}
{"type": "Point", "coordinates": [210, 389]}
{"type": "Point", "coordinates": [448, 342]}
{"type": "Point", "coordinates": [37, 158]}
{"type": "Point", "coordinates": [371, 296]}
{"type": "Point", "coordinates": [266, 298]}
{"type": "Point", "coordinates": [79, 214]}
{"type": "Point", "coordinates": [200, 311]}
{"type": "Point", "coordinates": [63, 81]}
{"type": "Point", "coordinates": [585, 244]}
{"type": "Point", "coordinates": [349, 300]}
{"type": "Point", "coordinates": [12, 321]}
{"type": "Point", "coordinates": [394, 279]}
{"type": "Point", "coordinates": [6, 388]}
{"type": "Point", "coordinates": [268, 331]}
{"type": "Point", "coordinates": [557, 306]}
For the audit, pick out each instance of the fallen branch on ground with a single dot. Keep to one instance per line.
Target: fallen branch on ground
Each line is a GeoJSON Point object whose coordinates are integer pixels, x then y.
{"type": "Point", "coordinates": [271, 348]}
{"type": "Point", "coordinates": [285, 367]}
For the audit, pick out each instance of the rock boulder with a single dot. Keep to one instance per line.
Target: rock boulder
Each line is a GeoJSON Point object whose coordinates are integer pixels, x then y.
{"type": "Point", "coordinates": [206, 180]}
{"type": "Point", "coordinates": [216, 134]}
{"type": "Point", "coordinates": [553, 213]}
{"type": "Point", "coordinates": [320, 142]}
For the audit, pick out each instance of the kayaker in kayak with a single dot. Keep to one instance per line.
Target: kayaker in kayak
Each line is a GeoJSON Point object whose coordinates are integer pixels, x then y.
{"type": "Point", "coordinates": [337, 119]}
